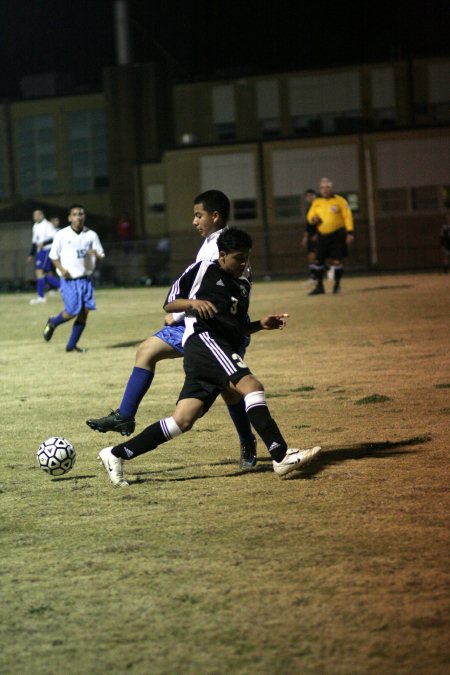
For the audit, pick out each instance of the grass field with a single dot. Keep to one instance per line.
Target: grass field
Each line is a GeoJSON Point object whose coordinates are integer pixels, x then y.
{"type": "Point", "coordinates": [199, 568]}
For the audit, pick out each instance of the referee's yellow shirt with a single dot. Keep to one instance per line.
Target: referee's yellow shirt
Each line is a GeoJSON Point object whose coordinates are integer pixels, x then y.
{"type": "Point", "coordinates": [334, 213]}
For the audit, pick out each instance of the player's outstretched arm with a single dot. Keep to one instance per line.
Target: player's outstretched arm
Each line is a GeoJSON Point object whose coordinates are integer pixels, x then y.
{"type": "Point", "coordinates": [269, 322]}
{"type": "Point", "coordinates": [204, 308]}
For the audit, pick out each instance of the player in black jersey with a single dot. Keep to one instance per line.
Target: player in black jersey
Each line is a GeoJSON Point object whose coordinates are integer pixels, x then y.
{"type": "Point", "coordinates": [215, 298]}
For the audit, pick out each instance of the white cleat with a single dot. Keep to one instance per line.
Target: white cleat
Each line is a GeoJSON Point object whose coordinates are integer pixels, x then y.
{"type": "Point", "coordinates": [38, 300]}
{"type": "Point", "coordinates": [295, 459]}
{"type": "Point", "coordinates": [114, 467]}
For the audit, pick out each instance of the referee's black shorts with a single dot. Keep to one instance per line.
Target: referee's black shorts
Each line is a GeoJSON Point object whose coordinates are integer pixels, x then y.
{"type": "Point", "coordinates": [210, 363]}
{"type": "Point", "coordinates": [332, 245]}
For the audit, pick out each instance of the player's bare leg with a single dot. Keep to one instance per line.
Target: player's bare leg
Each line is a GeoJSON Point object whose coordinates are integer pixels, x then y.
{"type": "Point", "coordinates": [285, 459]}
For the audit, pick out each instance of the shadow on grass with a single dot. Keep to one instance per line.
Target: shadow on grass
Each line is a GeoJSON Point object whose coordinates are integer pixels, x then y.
{"type": "Point", "coordinates": [57, 479]}
{"type": "Point", "coordinates": [122, 345]}
{"type": "Point", "coordinates": [329, 457]}
{"type": "Point", "coordinates": [383, 288]}
{"type": "Point", "coordinates": [378, 449]}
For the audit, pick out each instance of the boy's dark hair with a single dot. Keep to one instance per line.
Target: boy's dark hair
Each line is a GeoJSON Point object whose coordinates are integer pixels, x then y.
{"type": "Point", "coordinates": [215, 200]}
{"type": "Point", "coordinates": [232, 239]}
{"type": "Point", "coordinates": [76, 206]}
{"type": "Point", "coordinates": [311, 192]}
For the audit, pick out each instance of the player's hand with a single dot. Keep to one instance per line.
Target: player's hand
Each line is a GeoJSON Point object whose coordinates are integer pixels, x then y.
{"type": "Point", "coordinates": [274, 322]}
{"type": "Point", "coordinates": [204, 308]}
{"type": "Point", "coordinates": [29, 258]}
{"type": "Point", "coordinates": [316, 220]}
{"type": "Point", "coordinates": [169, 320]}
{"type": "Point", "coordinates": [349, 239]}
{"type": "Point", "coordinates": [65, 273]}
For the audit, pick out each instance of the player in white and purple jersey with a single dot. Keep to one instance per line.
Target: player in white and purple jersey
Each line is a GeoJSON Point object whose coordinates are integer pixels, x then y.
{"type": "Point", "coordinates": [211, 213]}
{"type": "Point", "coordinates": [42, 237]}
{"type": "Point", "coordinates": [74, 252]}
{"type": "Point", "coordinates": [215, 298]}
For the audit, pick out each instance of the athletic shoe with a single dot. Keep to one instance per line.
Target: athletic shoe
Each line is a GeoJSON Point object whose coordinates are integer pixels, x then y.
{"type": "Point", "coordinates": [38, 300]}
{"type": "Point", "coordinates": [318, 290]}
{"type": "Point", "coordinates": [336, 289]}
{"type": "Point", "coordinates": [79, 350]}
{"type": "Point", "coordinates": [295, 459]}
{"type": "Point", "coordinates": [113, 422]}
{"type": "Point", "coordinates": [114, 467]}
{"type": "Point", "coordinates": [48, 331]}
{"type": "Point", "coordinates": [248, 455]}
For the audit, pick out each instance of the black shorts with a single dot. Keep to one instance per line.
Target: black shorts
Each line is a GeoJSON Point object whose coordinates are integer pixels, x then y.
{"type": "Point", "coordinates": [311, 246]}
{"type": "Point", "coordinates": [332, 245]}
{"type": "Point", "coordinates": [210, 364]}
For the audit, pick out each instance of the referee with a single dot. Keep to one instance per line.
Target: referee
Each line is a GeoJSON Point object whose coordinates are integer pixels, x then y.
{"type": "Point", "coordinates": [332, 216]}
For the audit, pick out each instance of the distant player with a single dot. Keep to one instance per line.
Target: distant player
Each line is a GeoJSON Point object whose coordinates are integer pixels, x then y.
{"type": "Point", "coordinates": [42, 237]}
{"type": "Point", "coordinates": [74, 253]}
{"type": "Point", "coordinates": [215, 298]}
{"type": "Point", "coordinates": [332, 216]}
{"type": "Point", "coordinates": [211, 212]}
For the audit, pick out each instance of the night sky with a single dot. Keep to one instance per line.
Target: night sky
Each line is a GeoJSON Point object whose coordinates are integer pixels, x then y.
{"type": "Point", "coordinates": [206, 39]}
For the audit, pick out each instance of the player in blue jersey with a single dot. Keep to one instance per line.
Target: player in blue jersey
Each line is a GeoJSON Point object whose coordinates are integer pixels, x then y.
{"type": "Point", "coordinates": [215, 298]}
{"type": "Point", "coordinates": [42, 237]}
{"type": "Point", "coordinates": [74, 252]}
{"type": "Point", "coordinates": [211, 213]}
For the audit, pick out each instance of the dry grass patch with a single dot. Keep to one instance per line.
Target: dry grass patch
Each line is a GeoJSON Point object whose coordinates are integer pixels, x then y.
{"type": "Point", "coordinates": [199, 567]}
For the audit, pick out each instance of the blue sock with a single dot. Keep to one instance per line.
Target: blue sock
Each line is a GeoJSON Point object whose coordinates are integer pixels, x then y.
{"type": "Point", "coordinates": [241, 422]}
{"type": "Point", "coordinates": [138, 385]}
{"type": "Point", "coordinates": [52, 281]}
{"type": "Point", "coordinates": [75, 335]}
{"type": "Point", "coordinates": [40, 284]}
{"type": "Point", "coordinates": [57, 320]}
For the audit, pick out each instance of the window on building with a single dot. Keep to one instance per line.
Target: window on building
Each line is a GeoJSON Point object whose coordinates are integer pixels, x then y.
{"type": "Point", "coordinates": [395, 199]}
{"type": "Point", "coordinates": [243, 209]}
{"type": "Point", "coordinates": [287, 207]}
{"type": "Point", "coordinates": [425, 198]}
{"type": "Point", "coordinates": [235, 173]}
{"type": "Point", "coordinates": [156, 202]}
{"type": "Point", "coordinates": [353, 200]}
{"type": "Point", "coordinates": [226, 131]}
{"type": "Point", "coordinates": [88, 150]}
{"type": "Point", "coordinates": [36, 155]}
{"type": "Point", "coordinates": [268, 108]}
{"type": "Point", "coordinates": [224, 113]}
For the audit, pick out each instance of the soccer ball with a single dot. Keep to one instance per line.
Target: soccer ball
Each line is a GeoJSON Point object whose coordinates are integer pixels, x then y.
{"type": "Point", "coordinates": [56, 456]}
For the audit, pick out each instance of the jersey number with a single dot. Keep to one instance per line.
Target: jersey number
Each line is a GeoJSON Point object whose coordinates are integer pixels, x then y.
{"type": "Point", "coordinates": [239, 362]}
{"type": "Point", "coordinates": [234, 305]}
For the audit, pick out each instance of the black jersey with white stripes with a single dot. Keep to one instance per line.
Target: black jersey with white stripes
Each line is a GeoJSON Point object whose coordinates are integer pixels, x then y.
{"type": "Point", "coordinates": [208, 281]}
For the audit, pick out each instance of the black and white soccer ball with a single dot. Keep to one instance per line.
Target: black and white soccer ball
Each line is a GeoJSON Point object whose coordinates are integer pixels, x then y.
{"type": "Point", "coordinates": [56, 456]}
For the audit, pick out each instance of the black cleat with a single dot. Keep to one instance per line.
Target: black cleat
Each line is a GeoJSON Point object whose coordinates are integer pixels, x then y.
{"type": "Point", "coordinates": [336, 289]}
{"type": "Point", "coordinates": [318, 290]}
{"type": "Point", "coordinates": [79, 350]}
{"type": "Point", "coordinates": [48, 331]}
{"type": "Point", "coordinates": [113, 422]}
{"type": "Point", "coordinates": [248, 455]}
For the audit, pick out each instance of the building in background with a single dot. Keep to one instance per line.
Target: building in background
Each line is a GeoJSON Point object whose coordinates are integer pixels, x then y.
{"type": "Point", "coordinates": [145, 145]}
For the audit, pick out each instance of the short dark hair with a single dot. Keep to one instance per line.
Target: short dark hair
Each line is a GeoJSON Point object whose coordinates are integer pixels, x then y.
{"type": "Point", "coordinates": [76, 206]}
{"type": "Point", "coordinates": [310, 191]}
{"type": "Point", "coordinates": [233, 239]}
{"type": "Point", "coordinates": [215, 200]}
